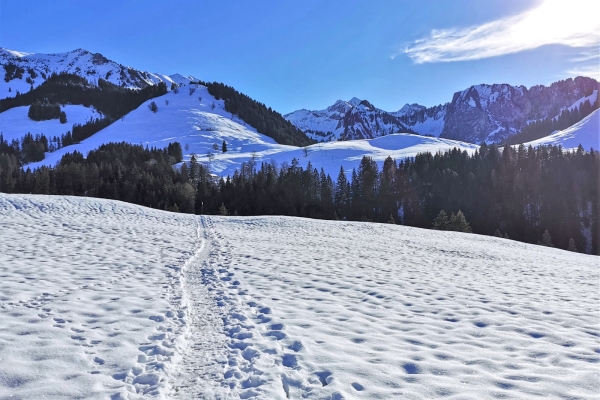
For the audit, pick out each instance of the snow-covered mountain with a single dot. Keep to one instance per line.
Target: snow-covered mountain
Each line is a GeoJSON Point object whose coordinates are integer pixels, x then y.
{"type": "Point", "coordinates": [102, 299]}
{"type": "Point", "coordinates": [202, 125]}
{"type": "Point", "coordinates": [480, 113]}
{"type": "Point", "coordinates": [20, 71]}
{"type": "Point", "coordinates": [346, 120]}
{"type": "Point", "coordinates": [585, 133]}
{"type": "Point", "coordinates": [494, 112]}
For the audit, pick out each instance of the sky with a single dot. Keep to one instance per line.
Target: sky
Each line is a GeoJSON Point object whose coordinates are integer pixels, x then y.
{"type": "Point", "coordinates": [310, 53]}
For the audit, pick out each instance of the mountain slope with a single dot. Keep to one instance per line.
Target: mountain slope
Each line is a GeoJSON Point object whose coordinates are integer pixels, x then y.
{"type": "Point", "coordinates": [124, 302]}
{"type": "Point", "coordinates": [20, 71]}
{"type": "Point", "coordinates": [347, 120]}
{"type": "Point", "coordinates": [480, 113]}
{"type": "Point", "coordinates": [585, 133]}
{"type": "Point", "coordinates": [199, 128]}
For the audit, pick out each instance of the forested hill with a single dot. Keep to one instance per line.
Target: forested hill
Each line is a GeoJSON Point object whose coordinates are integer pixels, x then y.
{"type": "Point", "coordinates": [259, 116]}
{"type": "Point", "coordinates": [111, 100]}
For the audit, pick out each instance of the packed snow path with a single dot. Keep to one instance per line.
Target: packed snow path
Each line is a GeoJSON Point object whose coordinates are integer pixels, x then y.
{"type": "Point", "coordinates": [103, 299]}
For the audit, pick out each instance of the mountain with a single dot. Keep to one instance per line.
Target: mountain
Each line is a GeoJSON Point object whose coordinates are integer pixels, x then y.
{"type": "Point", "coordinates": [80, 77]}
{"type": "Point", "coordinates": [585, 133]}
{"type": "Point", "coordinates": [201, 126]}
{"type": "Point", "coordinates": [22, 71]}
{"type": "Point", "coordinates": [347, 120]}
{"type": "Point", "coordinates": [489, 113]}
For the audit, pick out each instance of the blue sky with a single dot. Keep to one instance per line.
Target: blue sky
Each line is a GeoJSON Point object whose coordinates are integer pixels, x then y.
{"type": "Point", "coordinates": [308, 54]}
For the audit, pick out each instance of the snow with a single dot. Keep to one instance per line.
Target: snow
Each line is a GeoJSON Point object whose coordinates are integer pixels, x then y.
{"type": "Point", "coordinates": [92, 66]}
{"type": "Point", "coordinates": [14, 123]}
{"type": "Point", "coordinates": [195, 124]}
{"type": "Point", "coordinates": [585, 132]}
{"type": "Point", "coordinates": [102, 299]}
{"type": "Point", "coordinates": [90, 298]}
{"type": "Point", "coordinates": [591, 98]}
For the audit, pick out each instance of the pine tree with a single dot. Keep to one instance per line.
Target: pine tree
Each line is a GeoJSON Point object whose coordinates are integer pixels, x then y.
{"type": "Point", "coordinates": [63, 117]}
{"type": "Point", "coordinates": [223, 210]}
{"type": "Point", "coordinates": [153, 107]}
{"type": "Point", "coordinates": [572, 246]}
{"type": "Point", "coordinates": [546, 239]}
{"type": "Point", "coordinates": [391, 220]}
{"type": "Point", "coordinates": [441, 222]}
{"type": "Point", "coordinates": [459, 223]}
{"type": "Point", "coordinates": [497, 233]}
{"type": "Point", "coordinates": [224, 147]}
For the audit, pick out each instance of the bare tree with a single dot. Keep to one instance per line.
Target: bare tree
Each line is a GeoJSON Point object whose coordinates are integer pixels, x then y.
{"type": "Point", "coordinates": [215, 147]}
{"type": "Point", "coordinates": [167, 102]}
{"type": "Point", "coordinates": [210, 156]}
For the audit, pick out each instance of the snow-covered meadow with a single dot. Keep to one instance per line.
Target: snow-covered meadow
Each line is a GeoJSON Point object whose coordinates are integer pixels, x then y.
{"type": "Point", "coordinates": [14, 123]}
{"type": "Point", "coordinates": [103, 299]}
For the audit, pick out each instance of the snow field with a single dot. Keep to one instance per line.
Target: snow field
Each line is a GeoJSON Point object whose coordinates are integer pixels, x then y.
{"type": "Point", "coordinates": [14, 123]}
{"type": "Point", "coordinates": [90, 297]}
{"type": "Point", "coordinates": [359, 310]}
{"type": "Point", "coordinates": [102, 299]}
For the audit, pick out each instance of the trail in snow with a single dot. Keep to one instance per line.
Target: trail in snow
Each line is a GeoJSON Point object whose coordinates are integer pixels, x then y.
{"type": "Point", "coordinates": [102, 299]}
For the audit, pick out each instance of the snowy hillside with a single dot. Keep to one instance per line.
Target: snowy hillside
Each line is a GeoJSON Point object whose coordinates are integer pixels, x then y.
{"type": "Point", "coordinates": [198, 127]}
{"type": "Point", "coordinates": [15, 123]}
{"type": "Point", "coordinates": [102, 299]}
{"type": "Point", "coordinates": [586, 132]}
{"type": "Point", "coordinates": [22, 70]}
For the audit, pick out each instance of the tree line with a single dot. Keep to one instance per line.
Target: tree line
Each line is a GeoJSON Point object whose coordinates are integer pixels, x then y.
{"type": "Point", "coordinates": [542, 128]}
{"type": "Point", "coordinates": [517, 193]}
{"type": "Point", "coordinates": [257, 115]}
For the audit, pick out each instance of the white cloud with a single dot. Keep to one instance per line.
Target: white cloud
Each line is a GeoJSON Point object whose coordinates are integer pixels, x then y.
{"type": "Point", "coordinates": [573, 23]}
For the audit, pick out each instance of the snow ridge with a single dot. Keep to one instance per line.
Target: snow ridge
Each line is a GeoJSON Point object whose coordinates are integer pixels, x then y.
{"type": "Point", "coordinates": [37, 67]}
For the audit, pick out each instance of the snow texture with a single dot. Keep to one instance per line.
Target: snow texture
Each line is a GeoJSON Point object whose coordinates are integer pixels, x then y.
{"type": "Point", "coordinates": [198, 125]}
{"type": "Point", "coordinates": [102, 299]}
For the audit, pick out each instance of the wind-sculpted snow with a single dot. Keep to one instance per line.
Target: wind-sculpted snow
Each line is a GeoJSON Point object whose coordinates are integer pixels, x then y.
{"type": "Point", "coordinates": [102, 299]}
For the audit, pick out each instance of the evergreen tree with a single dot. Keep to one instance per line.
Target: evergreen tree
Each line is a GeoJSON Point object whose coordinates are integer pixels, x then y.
{"type": "Point", "coordinates": [223, 210]}
{"type": "Point", "coordinates": [391, 220]}
{"type": "Point", "coordinates": [224, 147]}
{"type": "Point", "coordinates": [497, 233]}
{"type": "Point", "coordinates": [442, 222]}
{"type": "Point", "coordinates": [546, 239]}
{"type": "Point", "coordinates": [572, 246]}
{"type": "Point", "coordinates": [63, 117]}
{"type": "Point", "coordinates": [459, 223]}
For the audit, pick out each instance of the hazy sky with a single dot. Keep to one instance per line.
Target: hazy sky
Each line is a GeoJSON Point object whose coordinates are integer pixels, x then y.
{"type": "Point", "coordinates": [309, 53]}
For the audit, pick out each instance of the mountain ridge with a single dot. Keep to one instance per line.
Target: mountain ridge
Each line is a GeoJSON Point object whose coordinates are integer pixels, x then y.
{"type": "Point", "coordinates": [23, 71]}
{"type": "Point", "coordinates": [479, 113]}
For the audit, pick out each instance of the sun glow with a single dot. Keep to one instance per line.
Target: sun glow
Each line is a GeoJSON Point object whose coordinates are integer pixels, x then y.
{"type": "Point", "coordinates": [574, 23]}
